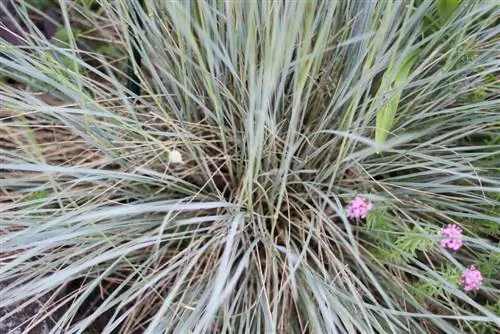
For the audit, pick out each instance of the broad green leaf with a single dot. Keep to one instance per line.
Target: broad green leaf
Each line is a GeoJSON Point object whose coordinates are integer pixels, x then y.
{"type": "Point", "coordinates": [385, 117]}
{"type": "Point", "coordinates": [445, 8]}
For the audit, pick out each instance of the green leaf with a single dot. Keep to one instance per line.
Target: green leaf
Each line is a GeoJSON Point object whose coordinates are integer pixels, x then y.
{"type": "Point", "coordinates": [90, 4]}
{"type": "Point", "coordinates": [43, 4]}
{"type": "Point", "coordinates": [388, 255]}
{"type": "Point", "coordinates": [36, 196]}
{"type": "Point", "coordinates": [430, 287]}
{"type": "Point", "coordinates": [491, 264]}
{"type": "Point", "coordinates": [422, 289]}
{"type": "Point", "coordinates": [110, 51]}
{"type": "Point", "coordinates": [385, 117]}
{"type": "Point", "coordinates": [479, 95]}
{"type": "Point", "coordinates": [62, 34]}
{"type": "Point", "coordinates": [378, 224]}
{"type": "Point", "coordinates": [35, 199]}
{"type": "Point", "coordinates": [415, 241]}
{"type": "Point", "coordinates": [446, 8]}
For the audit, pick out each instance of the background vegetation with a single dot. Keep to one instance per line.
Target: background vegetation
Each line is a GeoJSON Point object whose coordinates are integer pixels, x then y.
{"type": "Point", "coordinates": [283, 112]}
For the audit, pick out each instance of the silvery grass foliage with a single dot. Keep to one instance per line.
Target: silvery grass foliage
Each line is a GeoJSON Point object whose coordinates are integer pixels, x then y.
{"type": "Point", "coordinates": [272, 109]}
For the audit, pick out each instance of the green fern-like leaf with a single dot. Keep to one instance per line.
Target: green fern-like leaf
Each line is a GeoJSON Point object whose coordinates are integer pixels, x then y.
{"type": "Point", "coordinates": [490, 265]}
{"type": "Point", "coordinates": [421, 290]}
{"type": "Point", "coordinates": [388, 255]}
{"type": "Point", "coordinates": [378, 224]}
{"type": "Point", "coordinates": [415, 241]}
{"type": "Point", "coordinates": [430, 287]}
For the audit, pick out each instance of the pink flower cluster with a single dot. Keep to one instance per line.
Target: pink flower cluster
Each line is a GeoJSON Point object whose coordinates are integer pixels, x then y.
{"type": "Point", "coordinates": [471, 279]}
{"type": "Point", "coordinates": [358, 208]}
{"type": "Point", "coordinates": [451, 237]}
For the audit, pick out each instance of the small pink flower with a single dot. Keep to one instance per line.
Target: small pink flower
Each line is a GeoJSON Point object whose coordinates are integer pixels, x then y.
{"type": "Point", "coordinates": [451, 237]}
{"type": "Point", "coordinates": [471, 279]}
{"type": "Point", "coordinates": [358, 208]}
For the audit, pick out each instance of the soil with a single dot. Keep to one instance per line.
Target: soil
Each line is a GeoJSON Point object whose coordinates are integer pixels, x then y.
{"type": "Point", "coordinates": [24, 318]}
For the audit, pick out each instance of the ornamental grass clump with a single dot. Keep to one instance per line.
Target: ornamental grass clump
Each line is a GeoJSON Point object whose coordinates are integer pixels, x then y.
{"type": "Point", "coordinates": [214, 200]}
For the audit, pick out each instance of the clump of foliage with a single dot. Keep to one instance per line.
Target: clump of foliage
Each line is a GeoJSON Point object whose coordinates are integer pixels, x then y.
{"type": "Point", "coordinates": [215, 200]}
